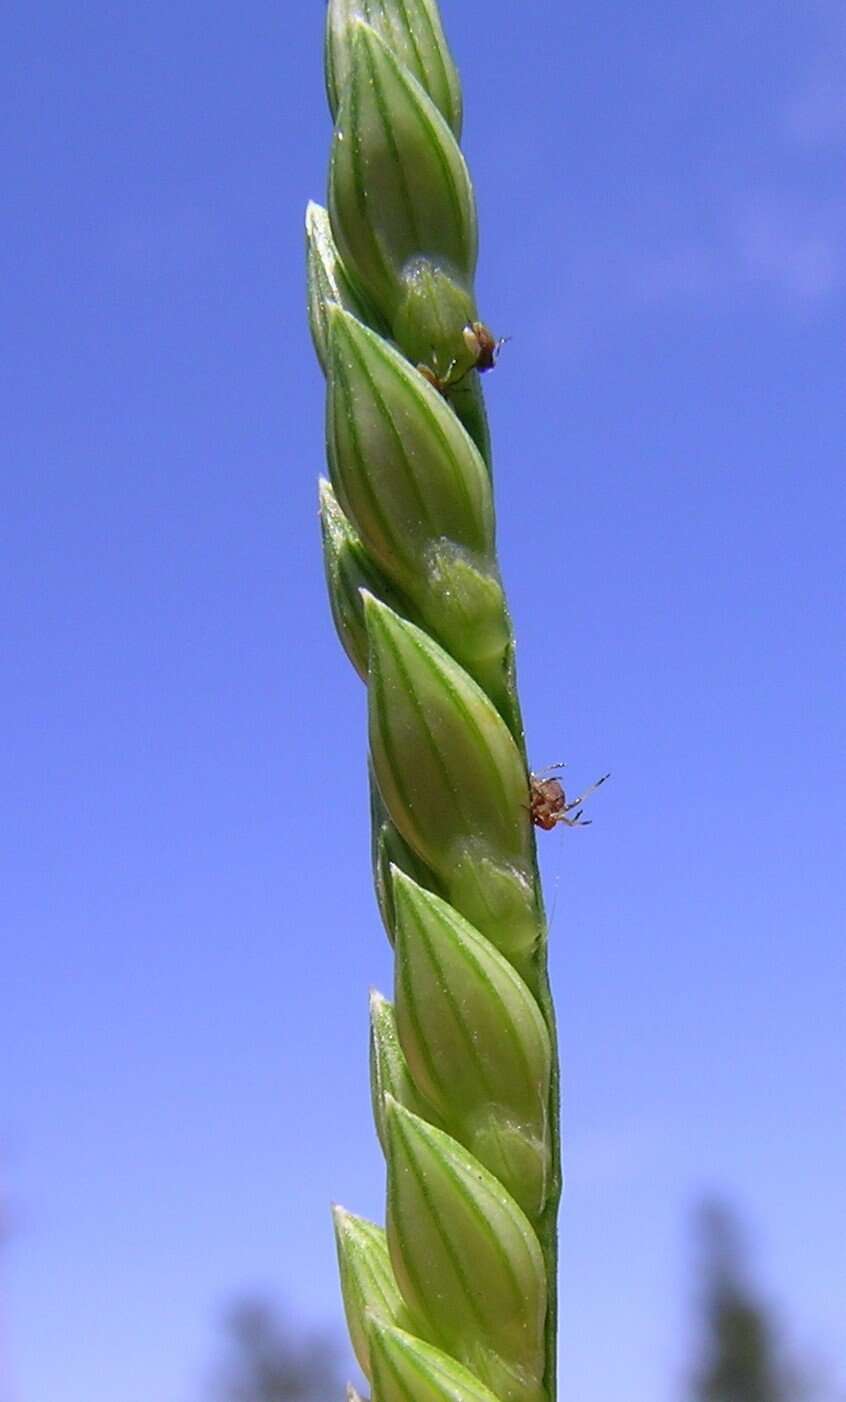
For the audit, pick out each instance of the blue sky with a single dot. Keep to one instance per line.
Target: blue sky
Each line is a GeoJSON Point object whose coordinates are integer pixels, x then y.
{"type": "Point", "coordinates": [188, 927]}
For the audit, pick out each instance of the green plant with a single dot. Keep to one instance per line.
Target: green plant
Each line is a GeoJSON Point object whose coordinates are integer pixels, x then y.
{"type": "Point", "coordinates": [456, 1298]}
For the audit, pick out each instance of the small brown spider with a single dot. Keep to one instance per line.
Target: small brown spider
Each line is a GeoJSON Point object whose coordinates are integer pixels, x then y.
{"type": "Point", "coordinates": [549, 804]}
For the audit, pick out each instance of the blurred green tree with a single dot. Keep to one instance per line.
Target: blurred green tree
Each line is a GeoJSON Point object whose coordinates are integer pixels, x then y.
{"type": "Point", "coordinates": [266, 1361]}
{"type": "Point", "coordinates": [741, 1351]}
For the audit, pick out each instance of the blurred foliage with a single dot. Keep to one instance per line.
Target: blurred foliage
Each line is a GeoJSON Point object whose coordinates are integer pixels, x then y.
{"type": "Point", "coordinates": [266, 1360]}
{"type": "Point", "coordinates": [742, 1356]}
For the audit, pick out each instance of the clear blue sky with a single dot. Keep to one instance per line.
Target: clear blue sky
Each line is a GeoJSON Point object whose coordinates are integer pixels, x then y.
{"type": "Point", "coordinates": [188, 927]}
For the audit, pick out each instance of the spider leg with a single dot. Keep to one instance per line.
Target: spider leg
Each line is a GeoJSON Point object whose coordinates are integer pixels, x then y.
{"type": "Point", "coordinates": [548, 768]}
{"type": "Point", "coordinates": [582, 796]}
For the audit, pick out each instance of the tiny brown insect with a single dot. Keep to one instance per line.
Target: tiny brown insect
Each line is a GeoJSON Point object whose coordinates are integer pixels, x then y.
{"type": "Point", "coordinates": [482, 345]}
{"type": "Point", "coordinates": [549, 805]}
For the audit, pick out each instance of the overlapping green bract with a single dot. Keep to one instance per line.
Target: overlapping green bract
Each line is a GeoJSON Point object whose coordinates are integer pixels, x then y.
{"type": "Point", "coordinates": [455, 1300]}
